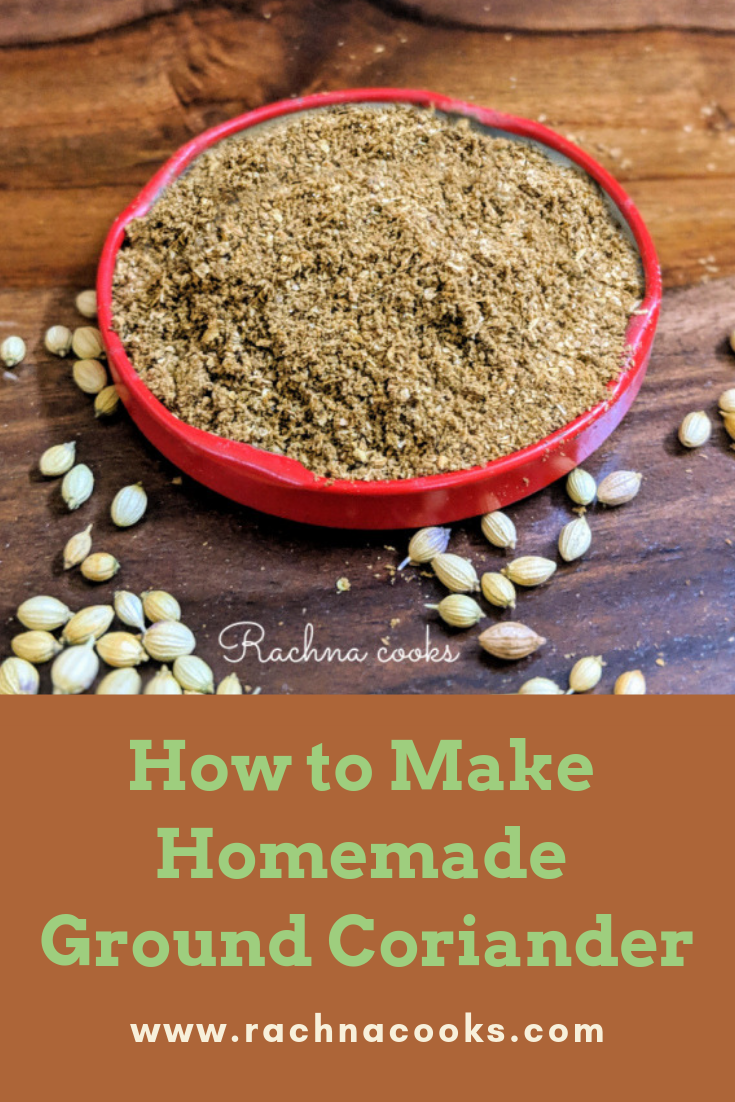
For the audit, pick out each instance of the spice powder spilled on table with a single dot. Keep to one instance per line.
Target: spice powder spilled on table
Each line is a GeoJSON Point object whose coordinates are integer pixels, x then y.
{"type": "Point", "coordinates": [378, 293]}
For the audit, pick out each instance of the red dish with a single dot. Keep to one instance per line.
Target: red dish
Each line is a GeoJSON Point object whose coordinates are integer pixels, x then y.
{"type": "Point", "coordinates": [284, 487]}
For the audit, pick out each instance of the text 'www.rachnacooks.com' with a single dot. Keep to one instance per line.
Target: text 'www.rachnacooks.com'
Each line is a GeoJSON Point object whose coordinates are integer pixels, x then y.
{"type": "Point", "coordinates": [469, 1030]}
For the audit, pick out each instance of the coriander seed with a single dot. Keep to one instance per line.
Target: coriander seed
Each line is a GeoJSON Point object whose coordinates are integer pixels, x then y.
{"type": "Point", "coordinates": [229, 686]}
{"type": "Point", "coordinates": [57, 340]}
{"type": "Point", "coordinates": [585, 674]}
{"type": "Point", "coordinates": [106, 402]}
{"type": "Point", "coordinates": [456, 573]}
{"type": "Point", "coordinates": [57, 460]}
{"type": "Point", "coordinates": [425, 545]}
{"type": "Point", "coordinates": [129, 609]}
{"type": "Point", "coordinates": [498, 590]}
{"type": "Point", "coordinates": [529, 570]}
{"type": "Point", "coordinates": [87, 343]}
{"type": "Point", "coordinates": [35, 646]}
{"type": "Point", "coordinates": [77, 486]}
{"type": "Point", "coordinates": [193, 673]}
{"type": "Point", "coordinates": [510, 640]}
{"type": "Point", "coordinates": [86, 304]}
{"type": "Point", "coordinates": [581, 487]}
{"type": "Point", "coordinates": [168, 640]}
{"type": "Point", "coordinates": [459, 611]}
{"type": "Point", "coordinates": [159, 605]}
{"type": "Point", "coordinates": [129, 505]}
{"type": "Point", "coordinates": [75, 669]}
{"type": "Point", "coordinates": [540, 686]}
{"type": "Point", "coordinates": [43, 613]}
{"type": "Point", "coordinates": [120, 648]}
{"type": "Point", "coordinates": [575, 539]}
{"type": "Point", "coordinates": [695, 430]}
{"type": "Point", "coordinates": [619, 487]}
{"type": "Point", "coordinates": [18, 677]}
{"type": "Point", "coordinates": [124, 681]}
{"type": "Point", "coordinates": [99, 567]}
{"type": "Point", "coordinates": [499, 530]}
{"type": "Point", "coordinates": [13, 351]}
{"type": "Point", "coordinates": [78, 548]}
{"type": "Point", "coordinates": [163, 683]}
{"type": "Point", "coordinates": [90, 376]}
{"type": "Point", "coordinates": [631, 683]}
{"type": "Point", "coordinates": [89, 623]}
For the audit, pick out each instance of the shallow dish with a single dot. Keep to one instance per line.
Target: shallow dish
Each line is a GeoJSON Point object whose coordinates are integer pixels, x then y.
{"type": "Point", "coordinates": [284, 487]}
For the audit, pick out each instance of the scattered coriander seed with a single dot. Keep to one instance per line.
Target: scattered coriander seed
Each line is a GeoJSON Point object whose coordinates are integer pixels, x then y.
{"type": "Point", "coordinates": [18, 677]}
{"type": "Point", "coordinates": [43, 613]}
{"type": "Point", "coordinates": [498, 590]}
{"type": "Point", "coordinates": [129, 609]}
{"type": "Point", "coordinates": [124, 681]}
{"type": "Point", "coordinates": [540, 686]}
{"type": "Point", "coordinates": [58, 459]}
{"type": "Point", "coordinates": [581, 487]}
{"type": "Point", "coordinates": [425, 545]}
{"type": "Point", "coordinates": [89, 623]}
{"type": "Point", "coordinates": [631, 683]}
{"type": "Point", "coordinates": [163, 683]}
{"type": "Point", "coordinates": [726, 401]}
{"type": "Point", "coordinates": [575, 539]}
{"type": "Point", "coordinates": [57, 340]}
{"type": "Point", "coordinates": [499, 530]}
{"type": "Point", "coordinates": [529, 570]}
{"type": "Point", "coordinates": [77, 486]}
{"type": "Point", "coordinates": [13, 351]}
{"type": "Point", "coordinates": [100, 567]}
{"type": "Point", "coordinates": [106, 402]}
{"type": "Point", "coordinates": [75, 669]}
{"type": "Point", "coordinates": [86, 343]}
{"type": "Point", "coordinates": [510, 640]}
{"type": "Point", "coordinates": [343, 585]}
{"type": "Point", "coordinates": [167, 640]}
{"type": "Point", "coordinates": [585, 674]}
{"type": "Point", "coordinates": [728, 420]}
{"type": "Point", "coordinates": [35, 646]}
{"type": "Point", "coordinates": [459, 611]}
{"type": "Point", "coordinates": [121, 648]}
{"type": "Point", "coordinates": [456, 573]}
{"type": "Point", "coordinates": [619, 487]}
{"type": "Point", "coordinates": [230, 686]}
{"type": "Point", "coordinates": [77, 548]}
{"type": "Point", "coordinates": [90, 376]}
{"type": "Point", "coordinates": [194, 674]}
{"type": "Point", "coordinates": [86, 304]}
{"type": "Point", "coordinates": [159, 605]}
{"type": "Point", "coordinates": [129, 505]}
{"type": "Point", "coordinates": [695, 430]}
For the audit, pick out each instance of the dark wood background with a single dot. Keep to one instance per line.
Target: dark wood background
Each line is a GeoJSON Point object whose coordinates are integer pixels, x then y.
{"type": "Point", "coordinates": [94, 96]}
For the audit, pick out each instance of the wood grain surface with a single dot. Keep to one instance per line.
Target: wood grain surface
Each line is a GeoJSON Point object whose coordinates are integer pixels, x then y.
{"type": "Point", "coordinates": [95, 97]}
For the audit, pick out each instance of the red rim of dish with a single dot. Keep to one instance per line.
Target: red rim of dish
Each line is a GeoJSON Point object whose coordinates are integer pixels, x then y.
{"type": "Point", "coordinates": [289, 471]}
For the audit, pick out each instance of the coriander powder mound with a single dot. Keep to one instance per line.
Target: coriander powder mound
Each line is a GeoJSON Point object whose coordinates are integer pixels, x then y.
{"type": "Point", "coordinates": [377, 293]}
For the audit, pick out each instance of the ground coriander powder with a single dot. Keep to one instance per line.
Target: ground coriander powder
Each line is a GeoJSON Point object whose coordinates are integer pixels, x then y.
{"type": "Point", "coordinates": [377, 293]}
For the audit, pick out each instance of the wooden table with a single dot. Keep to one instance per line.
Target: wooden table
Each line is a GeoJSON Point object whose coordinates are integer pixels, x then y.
{"type": "Point", "coordinates": [95, 97]}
